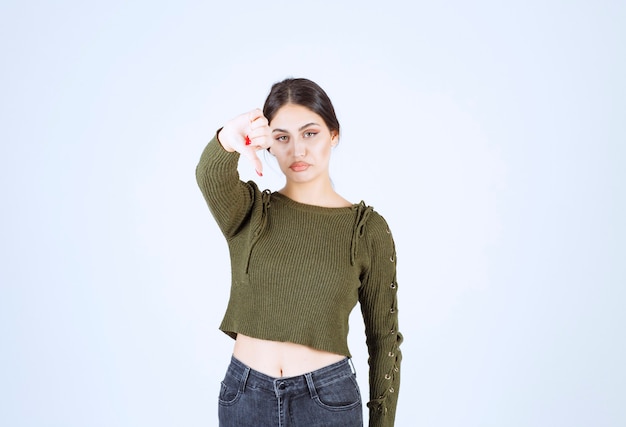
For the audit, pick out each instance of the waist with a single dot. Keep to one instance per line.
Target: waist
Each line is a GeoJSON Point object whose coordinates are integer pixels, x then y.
{"type": "Point", "coordinates": [281, 359]}
{"type": "Point", "coordinates": [296, 383]}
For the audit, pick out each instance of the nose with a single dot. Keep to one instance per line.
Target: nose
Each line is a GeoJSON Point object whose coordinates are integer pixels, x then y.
{"type": "Point", "coordinates": [299, 147]}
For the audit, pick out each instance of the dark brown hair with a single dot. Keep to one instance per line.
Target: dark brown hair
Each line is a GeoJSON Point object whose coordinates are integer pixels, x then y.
{"type": "Point", "coordinates": [303, 92]}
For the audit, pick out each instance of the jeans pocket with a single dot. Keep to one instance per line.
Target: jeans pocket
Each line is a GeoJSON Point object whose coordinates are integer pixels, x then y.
{"type": "Point", "coordinates": [341, 394]}
{"type": "Point", "coordinates": [229, 391]}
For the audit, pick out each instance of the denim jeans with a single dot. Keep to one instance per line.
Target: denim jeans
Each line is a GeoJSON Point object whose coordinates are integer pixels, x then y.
{"type": "Point", "coordinates": [323, 398]}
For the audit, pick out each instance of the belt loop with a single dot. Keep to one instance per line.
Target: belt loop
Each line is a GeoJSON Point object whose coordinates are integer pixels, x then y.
{"type": "Point", "coordinates": [352, 366]}
{"type": "Point", "coordinates": [309, 382]}
{"type": "Point", "coordinates": [244, 380]}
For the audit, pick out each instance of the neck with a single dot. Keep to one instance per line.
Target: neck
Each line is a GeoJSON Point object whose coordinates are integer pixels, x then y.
{"type": "Point", "coordinates": [319, 193]}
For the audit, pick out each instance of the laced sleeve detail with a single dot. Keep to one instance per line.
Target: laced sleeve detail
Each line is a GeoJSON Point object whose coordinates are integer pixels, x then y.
{"type": "Point", "coordinates": [379, 306]}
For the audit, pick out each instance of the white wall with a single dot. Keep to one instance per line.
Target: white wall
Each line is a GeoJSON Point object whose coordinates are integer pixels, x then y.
{"type": "Point", "coordinates": [490, 135]}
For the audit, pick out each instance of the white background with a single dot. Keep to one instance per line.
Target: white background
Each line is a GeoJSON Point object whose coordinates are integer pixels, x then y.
{"type": "Point", "coordinates": [491, 135]}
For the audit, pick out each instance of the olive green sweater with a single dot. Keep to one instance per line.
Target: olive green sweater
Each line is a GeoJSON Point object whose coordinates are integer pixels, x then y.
{"type": "Point", "coordinates": [298, 271]}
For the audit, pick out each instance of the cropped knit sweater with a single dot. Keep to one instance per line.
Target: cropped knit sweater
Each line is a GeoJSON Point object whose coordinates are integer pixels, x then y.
{"type": "Point", "coordinates": [298, 270]}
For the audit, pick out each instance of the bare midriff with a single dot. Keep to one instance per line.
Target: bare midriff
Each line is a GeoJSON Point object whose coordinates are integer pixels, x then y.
{"type": "Point", "coordinates": [281, 359]}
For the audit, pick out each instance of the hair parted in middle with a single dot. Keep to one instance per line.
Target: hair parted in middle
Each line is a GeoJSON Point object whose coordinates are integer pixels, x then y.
{"type": "Point", "coordinates": [304, 92]}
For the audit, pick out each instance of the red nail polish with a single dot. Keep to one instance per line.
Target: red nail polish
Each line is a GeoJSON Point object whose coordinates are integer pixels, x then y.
{"type": "Point", "coordinates": [248, 142]}
{"type": "Point", "coordinates": [259, 173]}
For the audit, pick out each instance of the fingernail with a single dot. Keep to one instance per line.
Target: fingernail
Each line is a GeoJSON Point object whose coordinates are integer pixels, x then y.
{"type": "Point", "coordinates": [248, 142]}
{"type": "Point", "coordinates": [259, 173]}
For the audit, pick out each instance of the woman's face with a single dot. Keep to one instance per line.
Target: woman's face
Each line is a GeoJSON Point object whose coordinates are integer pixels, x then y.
{"type": "Point", "coordinates": [302, 143]}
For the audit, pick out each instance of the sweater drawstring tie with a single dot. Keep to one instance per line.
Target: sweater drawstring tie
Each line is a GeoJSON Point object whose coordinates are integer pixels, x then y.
{"type": "Point", "coordinates": [258, 230]}
{"type": "Point", "coordinates": [362, 214]}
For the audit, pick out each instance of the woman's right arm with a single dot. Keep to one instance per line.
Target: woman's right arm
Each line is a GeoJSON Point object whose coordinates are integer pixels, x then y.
{"type": "Point", "coordinates": [228, 198]}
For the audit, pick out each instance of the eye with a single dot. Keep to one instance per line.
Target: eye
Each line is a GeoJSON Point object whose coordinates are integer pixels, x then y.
{"type": "Point", "coordinates": [282, 138]}
{"type": "Point", "coordinates": [309, 134]}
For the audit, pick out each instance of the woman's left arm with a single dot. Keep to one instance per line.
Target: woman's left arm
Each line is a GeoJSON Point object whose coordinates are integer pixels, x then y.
{"type": "Point", "coordinates": [379, 306]}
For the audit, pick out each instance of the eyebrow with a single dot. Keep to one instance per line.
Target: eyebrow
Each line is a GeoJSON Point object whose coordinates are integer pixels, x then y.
{"type": "Point", "coordinates": [299, 130]}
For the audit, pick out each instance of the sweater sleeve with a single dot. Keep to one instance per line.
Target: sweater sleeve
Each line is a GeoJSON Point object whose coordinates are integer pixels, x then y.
{"type": "Point", "coordinates": [229, 199]}
{"type": "Point", "coordinates": [378, 301]}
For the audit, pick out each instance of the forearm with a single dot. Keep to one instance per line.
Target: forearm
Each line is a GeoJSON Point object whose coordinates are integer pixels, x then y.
{"type": "Point", "coordinates": [227, 197]}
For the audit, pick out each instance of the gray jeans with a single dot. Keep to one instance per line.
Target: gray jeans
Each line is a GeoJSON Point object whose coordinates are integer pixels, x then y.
{"type": "Point", "coordinates": [323, 398]}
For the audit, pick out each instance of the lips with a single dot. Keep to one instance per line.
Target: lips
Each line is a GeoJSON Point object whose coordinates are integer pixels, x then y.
{"type": "Point", "coordinates": [299, 166]}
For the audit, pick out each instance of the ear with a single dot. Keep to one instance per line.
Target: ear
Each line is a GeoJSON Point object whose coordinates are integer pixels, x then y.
{"type": "Point", "coordinates": [334, 138]}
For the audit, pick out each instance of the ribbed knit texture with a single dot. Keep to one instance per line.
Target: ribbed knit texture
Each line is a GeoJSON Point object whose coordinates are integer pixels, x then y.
{"type": "Point", "coordinates": [298, 271]}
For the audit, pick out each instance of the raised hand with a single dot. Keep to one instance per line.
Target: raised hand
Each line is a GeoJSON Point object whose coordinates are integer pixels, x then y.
{"type": "Point", "coordinates": [246, 134]}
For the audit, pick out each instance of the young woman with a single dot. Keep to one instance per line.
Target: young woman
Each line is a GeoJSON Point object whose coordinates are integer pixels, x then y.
{"type": "Point", "coordinates": [301, 258]}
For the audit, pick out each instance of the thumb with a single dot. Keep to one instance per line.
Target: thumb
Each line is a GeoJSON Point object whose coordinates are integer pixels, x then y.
{"type": "Point", "coordinates": [251, 154]}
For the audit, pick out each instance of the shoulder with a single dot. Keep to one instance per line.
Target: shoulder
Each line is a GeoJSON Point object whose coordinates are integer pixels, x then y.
{"type": "Point", "coordinates": [376, 222]}
{"type": "Point", "coordinates": [377, 229]}
{"type": "Point", "coordinates": [379, 244]}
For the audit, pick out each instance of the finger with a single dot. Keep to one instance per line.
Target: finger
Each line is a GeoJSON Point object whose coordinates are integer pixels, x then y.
{"type": "Point", "coordinates": [256, 121]}
{"type": "Point", "coordinates": [259, 122]}
{"type": "Point", "coordinates": [260, 137]}
{"type": "Point", "coordinates": [255, 114]}
{"type": "Point", "coordinates": [260, 143]}
{"type": "Point", "coordinates": [257, 140]}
